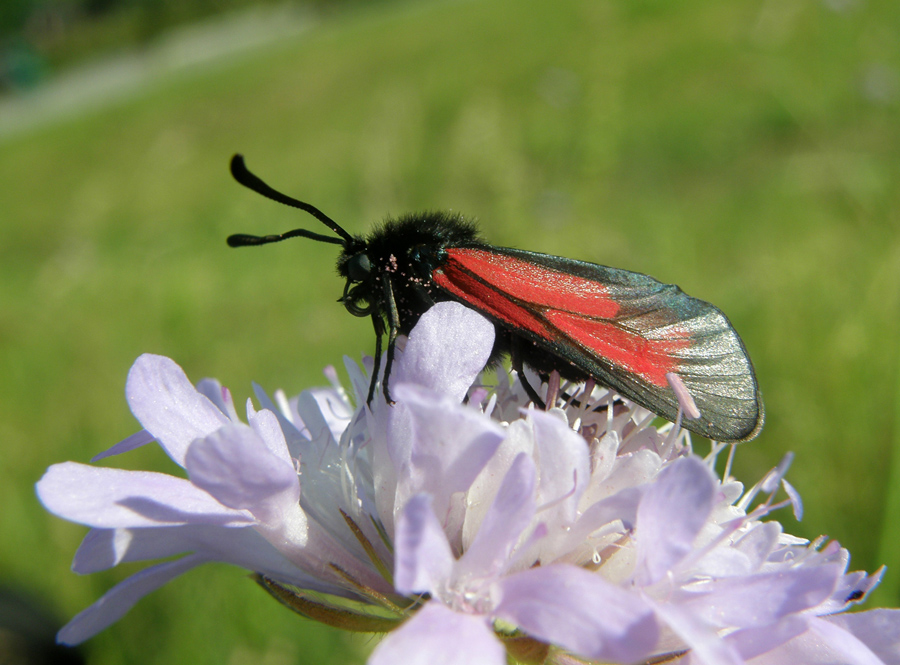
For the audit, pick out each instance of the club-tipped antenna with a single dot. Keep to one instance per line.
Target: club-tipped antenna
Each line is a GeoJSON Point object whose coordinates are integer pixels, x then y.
{"type": "Point", "coordinates": [243, 175]}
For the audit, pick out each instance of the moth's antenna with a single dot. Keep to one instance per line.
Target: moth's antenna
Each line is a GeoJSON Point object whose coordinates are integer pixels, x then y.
{"type": "Point", "coordinates": [242, 174]}
{"type": "Point", "coordinates": [244, 240]}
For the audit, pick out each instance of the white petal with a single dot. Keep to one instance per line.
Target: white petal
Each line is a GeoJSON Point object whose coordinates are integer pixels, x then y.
{"type": "Point", "coordinates": [706, 645]}
{"type": "Point", "coordinates": [235, 466]}
{"type": "Point", "coordinates": [121, 598]}
{"type": "Point", "coordinates": [331, 409]}
{"type": "Point", "coordinates": [168, 406]}
{"type": "Point", "coordinates": [265, 424]}
{"type": "Point", "coordinates": [218, 395]}
{"type": "Point", "coordinates": [509, 515]}
{"type": "Point", "coordinates": [128, 444]}
{"type": "Point", "coordinates": [437, 635]}
{"type": "Point", "coordinates": [777, 638]}
{"type": "Point", "coordinates": [563, 465]}
{"type": "Point", "coordinates": [245, 547]}
{"type": "Point", "coordinates": [422, 557]}
{"type": "Point", "coordinates": [622, 506]}
{"type": "Point", "coordinates": [878, 629]}
{"type": "Point", "coordinates": [757, 544]}
{"type": "Point", "coordinates": [863, 638]}
{"type": "Point", "coordinates": [628, 471]}
{"type": "Point", "coordinates": [673, 511]}
{"type": "Point", "coordinates": [359, 381]}
{"type": "Point", "coordinates": [519, 439]}
{"type": "Point", "coordinates": [289, 422]}
{"type": "Point", "coordinates": [447, 349]}
{"type": "Point", "coordinates": [764, 598]}
{"type": "Point", "coordinates": [580, 611]}
{"type": "Point", "coordinates": [114, 498]}
{"type": "Point", "coordinates": [449, 445]}
{"type": "Point", "coordinates": [853, 649]}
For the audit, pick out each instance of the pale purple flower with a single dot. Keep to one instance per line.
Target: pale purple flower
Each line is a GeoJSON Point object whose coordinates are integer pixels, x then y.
{"type": "Point", "coordinates": [560, 603]}
{"type": "Point", "coordinates": [467, 524]}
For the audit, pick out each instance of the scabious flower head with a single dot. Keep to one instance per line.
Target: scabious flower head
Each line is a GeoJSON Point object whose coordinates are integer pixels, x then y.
{"type": "Point", "coordinates": [466, 524]}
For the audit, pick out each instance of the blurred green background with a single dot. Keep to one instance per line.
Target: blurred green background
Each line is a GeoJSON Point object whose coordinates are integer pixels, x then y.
{"type": "Point", "coordinates": [746, 150]}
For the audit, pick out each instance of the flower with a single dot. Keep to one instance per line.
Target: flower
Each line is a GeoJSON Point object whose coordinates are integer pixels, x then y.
{"type": "Point", "coordinates": [466, 524]}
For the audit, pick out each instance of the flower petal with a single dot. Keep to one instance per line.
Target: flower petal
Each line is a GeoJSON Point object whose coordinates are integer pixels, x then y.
{"type": "Point", "coordinates": [218, 395]}
{"type": "Point", "coordinates": [757, 543]}
{"type": "Point", "coordinates": [168, 406]}
{"type": "Point", "coordinates": [437, 635]}
{"type": "Point", "coordinates": [703, 641]}
{"type": "Point", "coordinates": [563, 463]}
{"type": "Point", "coordinates": [519, 438]}
{"type": "Point", "coordinates": [114, 498]}
{"type": "Point", "coordinates": [753, 642]}
{"type": "Point", "coordinates": [630, 470]}
{"type": "Point", "coordinates": [879, 630]}
{"type": "Point", "coordinates": [853, 650]}
{"type": "Point", "coordinates": [245, 547]}
{"type": "Point", "coordinates": [765, 598]}
{"type": "Point", "coordinates": [509, 515]}
{"type": "Point", "coordinates": [121, 598]}
{"type": "Point", "coordinates": [673, 511]}
{"type": "Point", "coordinates": [325, 408]}
{"type": "Point", "coordinates": [265, 423]}
{"type": "Point", "coordinates": [580, 611]}
{"type": "Point", "coordinates": [422, 556]}
{"type": "Point", "coordinates": [829, 640]}
{"type": "Point", "coordinates": [236, 467]}
{"type": "Point", "coordinates": [621, 506]}
{"type": "Point", "coordinates": [449, 445]}
{"type": "Point", "coordinates": [127, 444]}
{"type": "Point", "coordinates": [447, 349]}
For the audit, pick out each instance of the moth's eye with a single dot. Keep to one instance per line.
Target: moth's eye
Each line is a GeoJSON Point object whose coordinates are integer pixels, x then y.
{"type": "Point", "coordinates": [359, 267]}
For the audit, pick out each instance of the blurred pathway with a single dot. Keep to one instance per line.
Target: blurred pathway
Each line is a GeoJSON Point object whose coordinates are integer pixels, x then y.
{"type": "Point", "coordinates": [94, 85]}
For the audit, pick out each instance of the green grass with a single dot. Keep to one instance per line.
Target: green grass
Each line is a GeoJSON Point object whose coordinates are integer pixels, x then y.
{"type": "Point", "coordinates": [727, 147]}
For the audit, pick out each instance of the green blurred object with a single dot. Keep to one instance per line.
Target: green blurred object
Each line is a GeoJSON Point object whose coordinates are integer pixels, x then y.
{"type": "Point", "coordinates": [21, 67]}
{"type": "Point", "coordinates": [746, 151]}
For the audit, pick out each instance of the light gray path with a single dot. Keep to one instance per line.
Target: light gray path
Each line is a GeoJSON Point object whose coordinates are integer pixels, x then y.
{"type": "Point", "coordinates": [97, 84]}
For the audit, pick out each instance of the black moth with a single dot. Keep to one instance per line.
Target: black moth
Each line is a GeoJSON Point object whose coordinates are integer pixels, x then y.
{"type": "Point", "coordinates": [624, 330]}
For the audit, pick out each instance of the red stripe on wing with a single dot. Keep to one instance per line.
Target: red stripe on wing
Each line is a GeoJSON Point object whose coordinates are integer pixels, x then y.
{"type": "Point", "coordinates": [651, 359]}
{"type": "Point", "coordinates": [554, 305]}
{"type": "Point", "coordinates": [536, 284]}
{"type": "Point", "coordinates": [488, 299]}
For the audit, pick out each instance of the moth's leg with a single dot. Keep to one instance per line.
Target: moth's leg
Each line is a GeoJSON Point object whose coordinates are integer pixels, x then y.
{"type": "Point", "coordinates": [393, 331]}
{"type": "Point", "coordinates": [378, 324]}
{"type": "Point", "coordinates": [515, 357]}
